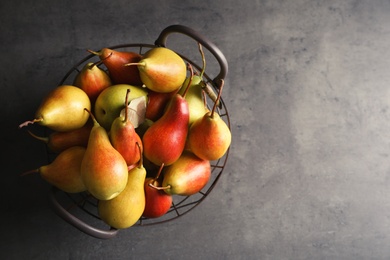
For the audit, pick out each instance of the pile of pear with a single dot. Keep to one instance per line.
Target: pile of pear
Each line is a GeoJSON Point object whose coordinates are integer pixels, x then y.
{"type": "Point", "coordinates": [132, 170]}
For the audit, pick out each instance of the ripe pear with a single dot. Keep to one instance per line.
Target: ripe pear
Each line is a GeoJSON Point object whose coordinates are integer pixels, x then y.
{"type": "Point", "coordinates": [124, 138]}
{"type": "Point", "coordinates": [62, 109]}
{"type": "Point", "coordinates": [157, 202]}
{"type": "Point", "coordinates": [126, 209]}
{"type": "Point", "coordinates": [115, 60]}
{"type": "Point", "coordinates": [187, 176]}
{"type": "Point", "coordinates": [59, 141]}
{"type": "Point", "coordinates": [194, 97]}
{"type": "Point", "coordinates": [157, 103]}
{"type": "Point", "coordinates": [109, 103]}
{"type": "Point", "coordinates": [92, 80]}
{"type": "Point", "coordinates": [64, 171]}
{"type": "Point", "coordinates": [161, 69]}
{"type": "Point", "coordinates": [165, 139]}
{"type": "Point", "coordinates": [103, 169]}
{"type": "Point", "coordinates": [209, 137]}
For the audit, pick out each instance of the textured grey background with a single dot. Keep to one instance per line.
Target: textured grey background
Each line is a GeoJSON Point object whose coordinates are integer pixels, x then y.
{"type": "Point", "coordinates": [308, 94]}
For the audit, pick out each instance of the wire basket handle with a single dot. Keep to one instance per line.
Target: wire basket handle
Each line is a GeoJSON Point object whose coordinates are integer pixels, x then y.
{"type": "Point", "coordinates": [161, 41]}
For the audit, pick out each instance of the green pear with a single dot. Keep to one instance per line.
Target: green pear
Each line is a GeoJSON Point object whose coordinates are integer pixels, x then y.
{"type": "Point", "coordinates": [103, 169]}
{"type": "Point", "coordinates": [64, 171]}
{"type": "Point", "coordinates": [109, 103]}
{"type": "Point", "coordinates": [125, 210]}
{"type": "Point", "coordinates": [194, 97]}
{"type": "Point", "coordinates": [62, 109]}
{"type": "Point", "coordinates": [161, 69]}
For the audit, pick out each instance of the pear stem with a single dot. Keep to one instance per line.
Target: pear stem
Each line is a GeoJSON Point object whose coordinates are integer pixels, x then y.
{"type": "Point", "coordinates": [40, 138]}
{"type": "Point", "coordinates": [95, 122]}
{"type": "Point", "coordinates": [141, 160]}
{"type": "Point", "coordinates": [159, 171]}
{"type": "Point", "coordinates": [29, 172]}
{"type": "Point", "coordinates": [203, 59]}
{"type": "Point", "coordinates": [160, 188]}
{"type": "Point", "coordinates": [31, 122]}
{"type": "Point", "coordinates": [135, 63]}
{"type": "Point", "coordinates": [218, 98]}
{"type": "Point", "coordinates": [190, 81]}
{"type": "Point", "coordinates": [93, 52]}
{"type": "Point", "coordinates": [126, 103]}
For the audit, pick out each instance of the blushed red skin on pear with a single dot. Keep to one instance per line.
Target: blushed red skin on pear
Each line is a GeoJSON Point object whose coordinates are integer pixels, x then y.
{"type": "Point", "coordinates": [59, 141]}
{"type": "Point", "coordinates": [187, 176]}
{"type": "Point", "coordinates": [92, 80]}
{"type": "Point", "coordinates": [103, 169]}
{"type": "Point", "coordinates": [165, 139]}
{"type": "Point", "coordinates": [115, 60]}
{"type": "Point", "coordinates": [156, 104]}
{"type": "Point", "coordinates": [157, 202]}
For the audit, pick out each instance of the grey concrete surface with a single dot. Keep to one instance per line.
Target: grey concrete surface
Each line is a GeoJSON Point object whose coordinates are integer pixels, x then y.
{"type": "Point", "coordinates": [308, 174]}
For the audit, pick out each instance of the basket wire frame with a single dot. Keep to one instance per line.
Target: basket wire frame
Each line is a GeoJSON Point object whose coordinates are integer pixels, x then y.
{"type": "Point", "coordinates": [80, 209]}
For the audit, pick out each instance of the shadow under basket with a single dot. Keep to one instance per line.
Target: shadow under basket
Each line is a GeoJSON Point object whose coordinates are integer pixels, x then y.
{"type": "Point", "coordinates": [80, 210]}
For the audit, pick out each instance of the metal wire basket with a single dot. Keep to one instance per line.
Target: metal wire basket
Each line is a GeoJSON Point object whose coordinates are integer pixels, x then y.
{"type": "Point", "coordinates": [80, 210]}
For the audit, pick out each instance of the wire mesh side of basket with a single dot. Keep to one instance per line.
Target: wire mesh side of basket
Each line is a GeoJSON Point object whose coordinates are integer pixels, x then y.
{"type": "Point", "coordinates": [83, 207]}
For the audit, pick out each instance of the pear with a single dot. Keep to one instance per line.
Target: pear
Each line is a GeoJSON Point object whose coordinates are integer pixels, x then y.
{"type": "Point", "coordinates": [157, 102]}
{"type": "Point", "coordinates": [109, 103]}
{"type": "Point", "coordinates": [209, 137]}
{"type": "Point", "coordinates": [64, 171]}
{"type": "Point", "coordinates": [92, 80]}
{"type": "Point", "coordinates": [59, 141]}
{"type": "Point", "coordinates": [157, 202]}
{"type": "Point", "coordinates": [124, 138]}
{"type": "Point", "coordinates": [161, 69]}
{"type": "Point", "coordinates": [165, 139]}
{"type": "Point", "coordinates": [115, 60]}
{"type": "Point", "coordinates": [62, 109]}
{"type": "Point", "coordinates": [187, 176]}
{"type": "Point", "coordinates": [126, 209]}
{"type": "Point", "coordinates": [103, 169]}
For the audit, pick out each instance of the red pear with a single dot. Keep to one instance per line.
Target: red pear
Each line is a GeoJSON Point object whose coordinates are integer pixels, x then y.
{"type": "Point", "coordinates": [115, 60]}
{"type": "Point", "coordinates": [157, 102]}
{"type": "Point", "coordinates": [157, 202]}
{"type": "Point", "coordinates": [165, 139]}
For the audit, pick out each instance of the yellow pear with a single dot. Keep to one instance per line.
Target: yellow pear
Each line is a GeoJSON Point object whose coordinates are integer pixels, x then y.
{"type": "Point", "coordinates": [62, 109]}
{"type": "Point", "coordinates": [161, 70]}
{"type": "Point", "coordinates": [64, 171]}
{"type": "Point", "coordinates": [125, 210]}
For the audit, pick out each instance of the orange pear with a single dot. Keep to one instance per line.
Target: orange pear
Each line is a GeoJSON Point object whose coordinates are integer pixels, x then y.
{"type": "Point", "coordinates": [124, 138]}
{"type": "Point", "coordinates": [209, 137]}
{"type": "Point", "coordinates": [92, 80]}
{"type": "Point", "coordinates": [103, 169]}
{"type": "Point", "coordinates": [59, 141]}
